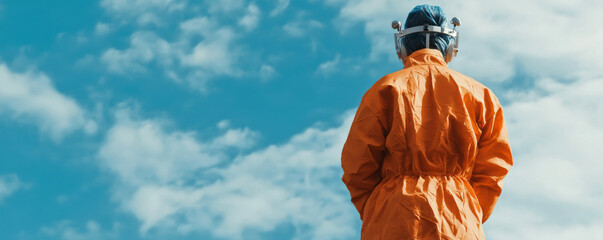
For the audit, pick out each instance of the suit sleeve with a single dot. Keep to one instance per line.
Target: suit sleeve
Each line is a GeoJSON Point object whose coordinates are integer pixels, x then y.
{"type": "Point", "coordinates": [492, 164]}
{"type": "Point", "coordinates": [362, 156]}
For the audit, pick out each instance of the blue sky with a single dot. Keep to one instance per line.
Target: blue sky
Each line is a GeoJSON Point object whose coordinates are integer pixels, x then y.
{"type": "Point", "coordinates": [176, 119]}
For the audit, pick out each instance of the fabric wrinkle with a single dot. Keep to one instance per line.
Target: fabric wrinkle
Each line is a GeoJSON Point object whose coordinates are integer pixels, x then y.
{"type": "Point", "coordinates": [426, 154]}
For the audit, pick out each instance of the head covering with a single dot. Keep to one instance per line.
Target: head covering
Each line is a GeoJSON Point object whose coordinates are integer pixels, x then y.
{"type": "Point", "coordinates": [419, 16]}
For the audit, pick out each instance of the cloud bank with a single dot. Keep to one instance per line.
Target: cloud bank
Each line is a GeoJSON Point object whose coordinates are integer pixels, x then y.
{"type": "Point", "coordinates": [200, 47]}
{"type": "Point", "coordinates": [31, 97]}
{"type": "Point", "coordinates": [553, 127]}
{"type": "Point", "coordinates": [171, 179]}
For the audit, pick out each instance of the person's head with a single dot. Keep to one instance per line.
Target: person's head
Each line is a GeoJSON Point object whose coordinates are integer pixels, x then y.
{"type": "Point", "coordinates": [421, 15]}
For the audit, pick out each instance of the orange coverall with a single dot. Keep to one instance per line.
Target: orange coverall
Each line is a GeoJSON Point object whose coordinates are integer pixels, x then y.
{"type": "Point", "coordinates": [426, 154]}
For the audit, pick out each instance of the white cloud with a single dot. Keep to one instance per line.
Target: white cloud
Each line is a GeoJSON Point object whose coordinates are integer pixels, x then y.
{"type": "Point", "coordinates": [149, 18]}
{"type": "Point", "coordinates": [140, 5]}
{"type": "Point", "coordinates": [214, 55]}
{"type": "Point", "coordinates": [495, 36]}
{"type": "Point", "coordinates": [9, 184]}
{"type": "Point", "coordinates": [301, 186]}
{"type": "Point", "coordinates": [144, 47]}
{"type": "Point", "coordinates": [181, 60]}
{"type": "Point", "coordinates": [552, 192]}
{"type": "Point", "coordinates": [240, 138]}
{"type": "Point", "coordinates": [197, 26]}
{"type": "Point", "coordinates": [141, 151]}
{"type": "Point", "coordinates": [31, 97]}
{"type": "Point", "coordinates": [329, 67]}
{"type": "Point", "coordinates": [223, 124]}
{"type": "Point", "coordinates": [555, 136]}
{"type": "Point", "coordinates": [281, 5]}
{"type": "Point", "coordinates": [189, 189]}
{"type": "Point", "coordinates": [267, 72]}
{"type": "Point", "coordinates": [102, 28]}
{"type": "Point", "coordinates": [172, 179]}
{"type": "Point", "coordinates": [299, 27]}
{"type": "Point", "coordinates": [153, 204]}
{"type": "Point", "coordinates": [144, 11]}
{"type": "Point", "coordinates": [536, 225]}
{"type": "Point", "coordinates": [226, 5]}
{"type": "Point", "coordinates": [200, 49]}
{"type": "Point", "coordinates": [64, 230]}
{"type": "Point", "coordinates": [251, 18]}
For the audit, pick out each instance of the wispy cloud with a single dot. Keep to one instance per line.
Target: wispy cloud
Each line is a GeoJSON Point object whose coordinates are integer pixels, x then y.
{"type": "Point", "coordinates": [251, 18]}
{"type": "Point", "coordinates": [494, 40]}
{"type": "Point", "coordinates": [102, 28]}
{"type": "Point", "coordinates": [201, 189]}
{"type": "Point", "coordinates": [31, 97]}
{"type": "Point", "coordinates": [214, 55]}
{"type": "Point", "coordinates": [182, 59]}
{"type": "Point", "coordinates": [329, 67]}
{"type": "Point", "coordinates": [267, 72]}
{"type": "Point", "coordinates": [226, 5]}
{"type": "Point", "coordinates": [281, 5]}
{"type": "Point", "coordinates": [202, 48]}
{"type": "Point", "coordinates": [554, 134]}
{"type": "Point", "coordinates": [145, 47]}
{"type": "Point", "coordinates": [144, 12]}
{"type": "Point", "coordinates": [9, 184]}
{"type": "Point", "coordinates": [65, 230]}
{"type": "Point", "coordinates": [141, 151]}
{"type": "Point", "coordinates": [300, 27]}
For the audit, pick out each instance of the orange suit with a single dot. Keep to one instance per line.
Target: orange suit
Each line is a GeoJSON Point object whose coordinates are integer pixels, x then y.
{"type": "Point", "coordinates": [426, 154]}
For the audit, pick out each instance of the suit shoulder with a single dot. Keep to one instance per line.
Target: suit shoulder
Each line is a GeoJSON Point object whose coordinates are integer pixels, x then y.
{"type": "Point", "coordinates": [386, 81]}
{"type": "Point", "coordinates": [477, 87]}
{"type": "Point", "coordinates": [468, 80]}
{"type": "Point", "coordinates": [383, 90]}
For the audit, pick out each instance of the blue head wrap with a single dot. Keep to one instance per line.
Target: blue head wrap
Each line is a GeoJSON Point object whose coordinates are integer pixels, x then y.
{"type": "Point", "coordinates": [431, 15]}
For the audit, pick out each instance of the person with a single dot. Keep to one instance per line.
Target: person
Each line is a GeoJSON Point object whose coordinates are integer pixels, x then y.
{"type": "Point", "coordinates": [428, 148]}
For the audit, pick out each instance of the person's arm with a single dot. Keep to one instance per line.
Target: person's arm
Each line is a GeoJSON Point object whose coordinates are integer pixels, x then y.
{"type": "Point", "coordinates": [362, 156]}
{"type": "Point", "coordinates": [493, 162]}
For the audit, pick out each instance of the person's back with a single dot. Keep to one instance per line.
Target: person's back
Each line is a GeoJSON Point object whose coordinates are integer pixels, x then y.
{"type": "Point", "coordinates": [426, 154]}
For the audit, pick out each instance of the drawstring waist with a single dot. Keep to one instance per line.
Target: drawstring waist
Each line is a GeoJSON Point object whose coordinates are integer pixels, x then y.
{"type": "Point", "coordinates": [427, 174]}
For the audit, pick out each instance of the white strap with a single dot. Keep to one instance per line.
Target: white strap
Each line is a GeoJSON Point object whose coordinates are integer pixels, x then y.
{"type": "Point", "coordinates": [427, 29]}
